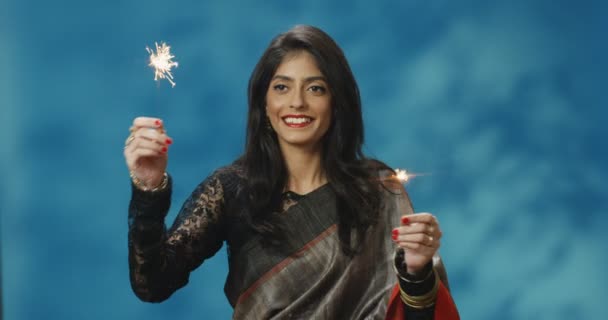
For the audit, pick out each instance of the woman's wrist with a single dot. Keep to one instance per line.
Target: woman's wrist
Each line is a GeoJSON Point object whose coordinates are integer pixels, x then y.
{"type": "Point", "coordinates": [418, 290]}
{"type": "Point", "coordinates": [424, 299]}
{"type": "Point", "coordinates": [418, 276]}
{"type": "Point", "coordinates": [153, 186]}
{"type": "Point", "coordinates": [408, 274]}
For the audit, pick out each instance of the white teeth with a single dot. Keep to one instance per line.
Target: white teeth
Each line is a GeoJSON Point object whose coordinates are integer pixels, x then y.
{"type": "Point", "coordinates": [297, 120]}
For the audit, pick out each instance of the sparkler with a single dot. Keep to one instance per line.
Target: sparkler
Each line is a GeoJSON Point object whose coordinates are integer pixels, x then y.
{"type": "Point", "coordinates": [405, 177]}
{"type": "Point", "coordinates": [162, 63]}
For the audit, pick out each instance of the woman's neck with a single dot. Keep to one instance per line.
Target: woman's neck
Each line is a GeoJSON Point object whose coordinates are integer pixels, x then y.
{"type": "Point", "coordinates": [304, 169]}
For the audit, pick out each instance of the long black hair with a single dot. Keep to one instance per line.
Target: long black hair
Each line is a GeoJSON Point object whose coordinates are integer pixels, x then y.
{"type": "Point", "coordinates": [350, 174]}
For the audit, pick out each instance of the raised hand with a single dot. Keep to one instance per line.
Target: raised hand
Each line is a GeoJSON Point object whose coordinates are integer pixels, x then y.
{"type": "Point", "coordinates": [146, 151]}
{"type": "Point", "coordinates": [419, 235]}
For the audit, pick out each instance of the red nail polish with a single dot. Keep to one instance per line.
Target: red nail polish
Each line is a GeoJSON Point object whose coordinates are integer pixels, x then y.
{"type": "Point", "coordinates": [158, 123]}
{"type": "Point", "coordinates": [405, 220]}
{"type": "Point", "coordinates": [395, 236]}
{"type": "Point", "coordinates": [164, 149]}
{"type": "Point", "coordinates": [395, 231]}
{"type": "Point", "coordinates": [168, 141]}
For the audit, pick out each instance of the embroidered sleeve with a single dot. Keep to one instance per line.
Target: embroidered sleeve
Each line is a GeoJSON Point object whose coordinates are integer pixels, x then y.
{"type": "Point", "coordinates": [160, 261]}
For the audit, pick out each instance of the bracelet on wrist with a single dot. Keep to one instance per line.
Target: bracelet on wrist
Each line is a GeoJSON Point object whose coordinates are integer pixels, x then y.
{"type": "Point", "coordinates": [422, 301]}
{"type": "Point", "coordinates": [140, 185]}
{"type": "Point", "coordinates": [399, 262]}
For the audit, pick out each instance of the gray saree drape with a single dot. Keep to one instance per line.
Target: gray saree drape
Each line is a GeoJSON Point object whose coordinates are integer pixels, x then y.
{"type": "Point", "coordinates": [311, 279]}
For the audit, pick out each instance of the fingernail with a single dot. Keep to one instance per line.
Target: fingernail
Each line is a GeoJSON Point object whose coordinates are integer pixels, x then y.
{"type": "Point", "coordinates": [395, 231]}
{"type": "Point", "coordinates": [163, 150]}
{"type": "Point", "coordinates": [158, 123]}
{"type": "Point", "coordinates": [169, 141]}
{"type": "Point", "coordinates": [405, 220]}
{"type": "Point", "coordinates": [395, 236]}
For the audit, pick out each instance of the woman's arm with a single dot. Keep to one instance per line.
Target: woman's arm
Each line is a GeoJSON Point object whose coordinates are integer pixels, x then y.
{"type": "Point", "coordinates": [160, 262]}
{"type": "Point", "coordinates": [432, 281]}
{"type": "Point", "coordinates": [422, 290]}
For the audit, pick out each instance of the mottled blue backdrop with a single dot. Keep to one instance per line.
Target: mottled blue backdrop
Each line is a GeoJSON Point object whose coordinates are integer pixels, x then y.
{"type": "Point", "coordinates": [503, 103]}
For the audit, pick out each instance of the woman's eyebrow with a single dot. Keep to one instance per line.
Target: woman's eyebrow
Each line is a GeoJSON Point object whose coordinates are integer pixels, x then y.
{"type": "Point", "coordinates": [307, 79]}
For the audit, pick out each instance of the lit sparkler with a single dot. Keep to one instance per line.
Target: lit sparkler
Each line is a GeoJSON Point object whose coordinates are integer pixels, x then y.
{"type": "Point", "coordinates": [405, 177]}
{"type": "Point", "coordinates": [162, 63]}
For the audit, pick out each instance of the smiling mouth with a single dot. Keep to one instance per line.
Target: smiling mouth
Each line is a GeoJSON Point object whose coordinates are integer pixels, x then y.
{"type": "Point", "coordinates": [297, 121]}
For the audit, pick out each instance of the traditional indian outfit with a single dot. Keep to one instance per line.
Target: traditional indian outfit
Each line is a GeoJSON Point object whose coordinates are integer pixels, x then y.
{"type": "Point", "coordinates": [307, 278]}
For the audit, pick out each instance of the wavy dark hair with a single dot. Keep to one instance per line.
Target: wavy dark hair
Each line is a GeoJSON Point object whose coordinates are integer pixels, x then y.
{"type": "Point", "coordinates": [351, 175]}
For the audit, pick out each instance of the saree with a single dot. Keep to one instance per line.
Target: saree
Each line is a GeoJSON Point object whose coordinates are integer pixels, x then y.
{"type": "Point", "coordinates": [311, 278]}
{"type": "Point", "coordinates": [317, 281]}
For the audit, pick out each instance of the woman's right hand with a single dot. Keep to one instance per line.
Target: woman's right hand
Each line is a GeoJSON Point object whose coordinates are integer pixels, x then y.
{"type": "Point", "coordinates": [146, 151]}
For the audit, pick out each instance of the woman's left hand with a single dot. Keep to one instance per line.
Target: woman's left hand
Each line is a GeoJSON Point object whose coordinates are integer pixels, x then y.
{"type": "Point", "coordinates": [419, 235]}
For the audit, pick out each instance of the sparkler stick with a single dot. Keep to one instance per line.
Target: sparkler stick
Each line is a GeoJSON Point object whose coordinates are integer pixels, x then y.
{"type": "Point", "coordinates": [404, 177]}
{"type": "Point", "coordinates": [161, 61]}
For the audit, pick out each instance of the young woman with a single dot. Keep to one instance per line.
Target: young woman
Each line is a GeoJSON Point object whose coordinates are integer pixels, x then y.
{"type": "Point", "coordinates": [314, 229]}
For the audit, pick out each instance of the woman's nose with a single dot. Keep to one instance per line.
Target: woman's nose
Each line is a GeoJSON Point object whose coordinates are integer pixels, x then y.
{"type": "Point", "coordinates": [297, 100]}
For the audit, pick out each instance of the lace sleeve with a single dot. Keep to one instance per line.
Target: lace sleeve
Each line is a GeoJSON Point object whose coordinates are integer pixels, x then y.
{"type": "Point", "coordinates": [160, 262]}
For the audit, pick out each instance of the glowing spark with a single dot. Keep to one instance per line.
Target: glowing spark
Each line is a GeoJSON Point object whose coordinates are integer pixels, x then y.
{"type": "Point", "coordinates": [405, 176]}
{"type": "Point", "coordinates": [162, 63]}
{"type": "Point", "coordinates": [402, 175]}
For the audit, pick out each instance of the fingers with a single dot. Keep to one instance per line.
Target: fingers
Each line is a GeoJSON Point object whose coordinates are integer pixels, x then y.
{"type": "Point", "coordinates": [141, 152]}
{"type": "Point", "coordinates": [418, 247]}
{"type": "Point", "coordinates": [420, 238]}
{"type": "Point", "coordinates": [133, 159]}
{"type": "Point", "coordinates": [420, 223]}
{"type": "Point", "coordinates": [418, 241]}
{"type": "Point", "coordinates": [153, 146]}
{"type": "Point", "coordinates": [147, 139]}
{"type": "Point", "coordinates": [140, 148]}
{"type": "Point", "coordinates": [418, 232]}
{"type": "Point", "coordinates": [422, 217]}
{"type": "Point", "coordinates": [152, 134]}
{"type": "Point", "coordinates": [148, 128]}
{"type": "Point", "coordinates": [418, 228]}
{"type": "Point", "coordinates": [147, 122]}
{"type": "Point", "coordinates": [417, 238]}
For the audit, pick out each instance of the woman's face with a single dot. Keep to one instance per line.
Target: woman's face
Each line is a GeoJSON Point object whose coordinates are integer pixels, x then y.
{"type": "Point", "coordinates": [298, 102]}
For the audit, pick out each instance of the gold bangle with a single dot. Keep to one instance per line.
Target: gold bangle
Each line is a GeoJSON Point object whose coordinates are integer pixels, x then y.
{"type": "Point", "coordinates": [140, 185]}
{"type": "Point", "coordinates": [417, 304]}
{"type": "Point", "coordinates": [423, 301]}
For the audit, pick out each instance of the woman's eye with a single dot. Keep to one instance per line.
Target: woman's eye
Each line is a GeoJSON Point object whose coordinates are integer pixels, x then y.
{"type": "Point", "coordinates": [317, 89]}
{"type": "Point", "coordinates": [280, 87]}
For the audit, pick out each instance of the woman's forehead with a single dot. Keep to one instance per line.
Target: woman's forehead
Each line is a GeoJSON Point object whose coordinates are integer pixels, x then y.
{"type": "Point", "coordinates": [298, 64]}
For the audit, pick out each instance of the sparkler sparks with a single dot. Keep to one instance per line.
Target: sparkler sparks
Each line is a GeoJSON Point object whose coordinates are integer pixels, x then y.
{"type": "Point", "coordinates": [405, 176]}
{"type": "Point", "coordinates": [162, 63]}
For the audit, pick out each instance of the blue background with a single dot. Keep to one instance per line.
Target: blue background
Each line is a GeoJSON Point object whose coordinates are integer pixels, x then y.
{"type": "Point", "coordinates": [501, 102]}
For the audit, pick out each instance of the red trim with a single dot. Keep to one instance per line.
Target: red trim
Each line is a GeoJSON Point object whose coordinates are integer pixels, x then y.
{"type": "Point", "coordinates": [445, 308]}
{"type": "Point", "coordinates": [283, 264]}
